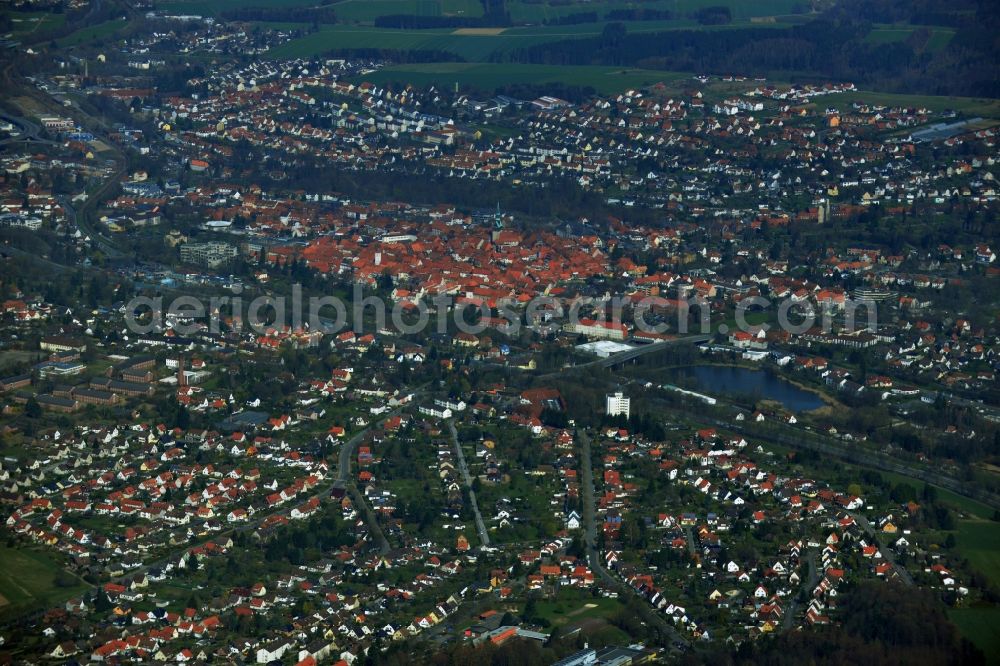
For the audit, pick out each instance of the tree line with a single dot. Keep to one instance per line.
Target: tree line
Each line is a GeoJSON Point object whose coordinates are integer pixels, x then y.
{"type": "Point", "coordinates": [831, 47]}
{"type": "Point", "coordinates": [880, 623]}
{"type": "Point", "coordinates": [281, 14]}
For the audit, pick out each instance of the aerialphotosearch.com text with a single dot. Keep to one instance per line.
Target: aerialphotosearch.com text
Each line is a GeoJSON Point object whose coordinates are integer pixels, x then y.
{"type": "Point", "coordinates": [613, 316]}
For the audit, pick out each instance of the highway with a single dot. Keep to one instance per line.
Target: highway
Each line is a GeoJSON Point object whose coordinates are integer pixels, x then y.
{"type": "Point", "coordinates": [28, 131]}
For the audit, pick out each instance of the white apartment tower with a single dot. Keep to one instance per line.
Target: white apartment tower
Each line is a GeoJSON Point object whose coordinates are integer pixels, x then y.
{"type": "Point", "coordinates": [617, 403]}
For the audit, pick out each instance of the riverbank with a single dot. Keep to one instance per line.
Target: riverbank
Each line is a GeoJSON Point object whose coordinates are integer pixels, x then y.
{"type": "Point", "coordinates": [831, 402]}
{"type": "Point", "coordinates": [829, 406]}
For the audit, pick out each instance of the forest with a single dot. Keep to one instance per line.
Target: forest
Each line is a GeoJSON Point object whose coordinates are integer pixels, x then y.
{"type": "Point", "coordinates": [917, 631]}
{"type": "Point", "coordinates": [832, 46]}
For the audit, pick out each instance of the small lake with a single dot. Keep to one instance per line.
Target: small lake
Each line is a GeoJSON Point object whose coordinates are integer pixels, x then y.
{"type": "Point", "coordinates": [760, 385]}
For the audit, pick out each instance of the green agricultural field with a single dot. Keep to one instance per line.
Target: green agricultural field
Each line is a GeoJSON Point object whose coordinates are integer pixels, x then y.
{"type": "Point", "coordinates": [979, 542]}
{"type": "Point", "coordinates": [973, 106]}
{"type": "Point", "coordinates": [560, 32]}
{"type": "Point", "coordinates": [214, 7]}
{"type": "Point", "coordinates": [891, 34]}
{"type": "Point", "coordinates": [92, 34]}
{"type": "Point", "coordinates": [940, 38]}
{"type": "Point", "coordinates": [982, 627]}
{"type": "Point", "coordinates": [470, 47]}
{"type": "Point", "coordinates": [362, 11]}
{"type": "Point", "coordinates": [488, 77]}
{"type": "Point", "coordinates": [28, 580]}
{"type": "Point", "coordinates": [473, 48]}
{"type": "Point", "coordinates": [741, 9]}
{"type": "Point", "coordinates": [25, 24]}
{"type": "Point", "coordinates": [888, 35]}
{"type": "Point", "coordinates": [366, 11]}
{"type": "Point", "coordinates": [340, 36]}
{"type": "Point", "coordinates": [954, 500]}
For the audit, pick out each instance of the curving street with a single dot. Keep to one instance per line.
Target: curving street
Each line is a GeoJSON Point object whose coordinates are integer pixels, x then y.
{"type": "Point", "coordinates": [484, 537]}
{"type": "Point", "coordinates": [590, 542]}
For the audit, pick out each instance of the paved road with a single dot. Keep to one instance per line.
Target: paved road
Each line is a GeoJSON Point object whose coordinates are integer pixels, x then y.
{"type": "Point", "coordinates": [590, 541]}
{"type": "Point", "coordinates": [94, 126]}
{"type": "Point", "coordinates": [321, 493]}
{"type": "Point", "coordinates": [29, 131]}
{"type": "Point", "coordinates": [103, 243]}
{"type": "Point", "coordinates": [484, 537]}
{"type": "Point", "coordinates": [347, 450]}
{"type": "Point", "coordinates": [901, 573]}
{"type": "Point", "coordinates": [589, 521]}
{"type": "Point", "coordinates": [343, 480]}
{"type": "Point", "coordinates": [809, 583]}
{"type": "Point", "coordinates": [858, 455]}
{"type": "Point", "coordinates": [689, 538]}
{"type": "Point", "coordinates": [371, 520]}
{"type": "Point", "coordinates": [340, 480]}
{"type": "Point", "coordinates": [630, 355]}
{"type": "Point", "coordinates": [345, 455]}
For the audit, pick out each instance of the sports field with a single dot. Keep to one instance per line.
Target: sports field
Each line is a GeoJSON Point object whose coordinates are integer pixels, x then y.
{"type": "Point", "coordinates": [569, 607]}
